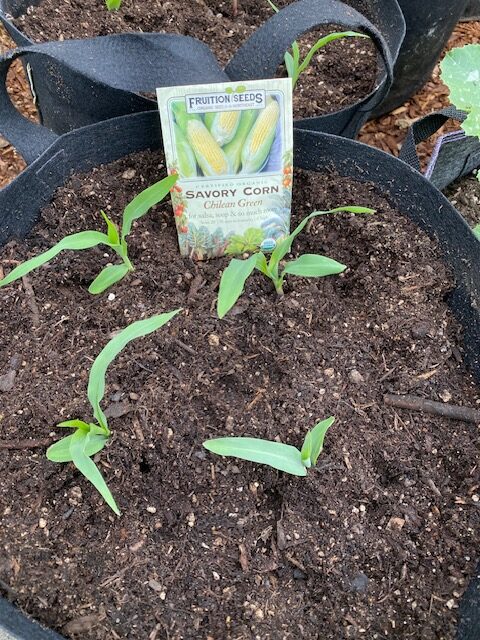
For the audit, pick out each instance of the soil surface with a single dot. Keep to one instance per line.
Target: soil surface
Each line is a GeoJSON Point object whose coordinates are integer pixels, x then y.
{"type": "Point", "coordinates": [378, 541]}
{"type": "Point", "coordinates": [464, 194]}
{"type": "Point", "coordinates": [342, 73]}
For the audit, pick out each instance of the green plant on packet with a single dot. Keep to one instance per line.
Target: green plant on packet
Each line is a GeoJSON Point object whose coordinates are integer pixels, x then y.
{"type": "Point", "coordinates": [308, 265]}
{"type": "Point", "coordinates": [250, 241]}
{"type": "Point", "coordinates": [111, 274]}
{"type": "Point", "coordinates": [90, 438]}
{"type": "Point", "coordinates": [292, 60]}
{"type": "Point", "coordinates": [283, 457]}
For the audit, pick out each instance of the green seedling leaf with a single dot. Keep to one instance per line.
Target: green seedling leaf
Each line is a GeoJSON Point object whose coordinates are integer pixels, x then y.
{"type": "Point", "coordinates": [274, 7]}
{"type": "Point", "coordinates": [113, 5]}
{"type": "Point", "coordinates": [139, 206]}
{"type": "Point", "coordinates": [280, 456]}
{"type": "Point", "coordinates": [76, 241]}
{"type": "Point", "coordinates": [313, 266]}
{"type": "Point", "coordinates": [112, 230]}
{"type": "Point", "coordinates": [318, 436]}
{"type": "Point", "coordinates": [460, 70]}
{"type": "Point", "coordinates": [75, 424]}
{"type": "Point", "coordinates": [96, 381]}
{"type": "Point", "coordinates": [79, 445]}
{"type": "Point", "coordinates": [107, 277]}
{"type": "Point", "coordinates": [476, 231]}
{"type": "Point", "coordinates": [60, 451]}
{"type": "Point", "coordinates": [306, 451]}
{"type": "Point", "coordinates": [232, 283]}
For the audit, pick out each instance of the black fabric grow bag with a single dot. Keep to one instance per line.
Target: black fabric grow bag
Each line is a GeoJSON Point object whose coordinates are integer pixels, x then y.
{"type": "Point", "coordinates": [472, 11]}
{"type": "Point", "coordinates": [78, 82]}
{"type": "Point", "coordinates": [429, 25]}
{"type": "Point", "coordinates": [411, 193]}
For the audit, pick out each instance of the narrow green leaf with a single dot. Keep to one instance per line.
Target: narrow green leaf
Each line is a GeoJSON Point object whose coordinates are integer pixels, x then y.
{"type": "Point", "coordinates": [78, 450]}
{"type": "Point", "coordinates": [289, 64]}
{"type": "Point", "coordinates": [76, 242]}
{"type": "Point", "coordinates": [107, 277]}
{"type": "Point", "coordinates": [96, 381]}
{"type": "Point", "coordinates": [113, 5]}
{"type": "Point", "coordinates": [74, 424]}
{"type": "Point", "coordinates": [284, 247]}
{"type": "Point", "coordinates": [306, 451]}
{"type": "Point", "coordinates": [324, 41]}
{"type": "Point", "coordinates": [274, 7]}
{"type": "Point", "coordinates": [145, 200]}
{"type": "Point", "coordinates": [60, 451]}
{"type": "Point", "coordinates": [476, 231]}
{"type": "Point", "coordinates": [318, 436]}
{"type": "Point", "coordinates": [232, 283]}
{"type": "Point", "coordinates": [280, 456]}
{"type": "Point", "coordinates": [112, 229]}
{"type": "Point", "coordinates": [313, 266]}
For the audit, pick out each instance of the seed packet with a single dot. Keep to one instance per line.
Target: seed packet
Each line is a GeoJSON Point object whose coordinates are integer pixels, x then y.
{"type": "Point", "coordinates": [231, 145]}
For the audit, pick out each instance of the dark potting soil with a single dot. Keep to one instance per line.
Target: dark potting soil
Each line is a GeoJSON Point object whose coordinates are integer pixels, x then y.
{"type": "Point", "coordinates": [378, 541]}
{"type": "Point", "coordinates": [341, 74]}
{"type": "Point", "coordinates": [464, 194]}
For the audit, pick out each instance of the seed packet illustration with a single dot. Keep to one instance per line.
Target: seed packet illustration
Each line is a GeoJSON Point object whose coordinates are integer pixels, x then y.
{"type": "Point", "coordinates": [231, 145]}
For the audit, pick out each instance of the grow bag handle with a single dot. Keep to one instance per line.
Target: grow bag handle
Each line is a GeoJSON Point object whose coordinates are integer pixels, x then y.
{"type": "Point", "coordinates": [109, 70]}
{"type": "Point", "coordinates": [455, 154]}
{"type": "Point", "coordinates": [261, 55]}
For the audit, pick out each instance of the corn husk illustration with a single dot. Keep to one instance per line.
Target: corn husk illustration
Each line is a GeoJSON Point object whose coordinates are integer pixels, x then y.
{"type": "Point", "coordinates": [187, 163]}
{"type": "Point", "coordinates": [210, 157]}
{"type": "Point", "coordinates": [179, 110]}
{"type": "Point", "coordinates": [233, 150]}
{"type": "Point", "coordinates": [223, 125]}
{"type": "Point", "coordinates": [260, 139]}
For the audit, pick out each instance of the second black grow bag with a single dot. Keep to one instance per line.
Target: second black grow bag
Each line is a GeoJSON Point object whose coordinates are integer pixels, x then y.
{"type": "Point", "coordinates": [59, 157]}
{"type": "Point", "coordinates": [78, 82]}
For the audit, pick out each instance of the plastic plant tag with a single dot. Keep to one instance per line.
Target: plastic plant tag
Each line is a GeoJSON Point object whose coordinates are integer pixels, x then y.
{"type": "Point", "coordinates": [232, 146]}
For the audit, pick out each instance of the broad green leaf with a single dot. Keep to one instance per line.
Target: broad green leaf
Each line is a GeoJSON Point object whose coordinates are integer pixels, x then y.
{"type": "Point", "coordinates": [476, 231]}
{"type": "Point", "coordinates": [284, 247]}
{"type": "Point", "coordinates": [313, 266]}
{"type": "Point", "coordinates": [262, 263]}
{"type": "Point", "coordinates": [76, 242]}
{"type": "Point", "coordinates": [96, 381]}
{"type": "Point", "coordinates": [113, 5]}
{"type": "Point", "coordinates": [280, 456]}
{"type": "Point", "coordinates": [60, 451]}
{"type": "Point", "coordinates": [79, 445]}
{"type": "Point", "coordinates": [318, 436]}
{"type": "Point", "coordinates": [461, 73]}
{"type": "Point", "coordinates": [75, 424]}
{"type": "Point", "coordinates": [232, 283]}
{"type": "Point", "coordinates": [112, 230]}
{"type": "Point", "coordinates": [107, 277]}
{"type": "Point", "coordinates": [145, 200]}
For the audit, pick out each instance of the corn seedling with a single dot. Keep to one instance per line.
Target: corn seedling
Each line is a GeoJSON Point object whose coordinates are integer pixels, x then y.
{"type": "Point", "coordinates": [113, 5]}
{"type": "Point", "coordinates": [283, 457]}
{"type": "Point", "coordinates": [308, 265]}
{"type": "Point", "coordinates": [114, 239]}
{"type": "Point", "coordinates": [476, 231]}
{"type": "Point", "coordinates": [295, 67]}
{"type": "Point", "coordinates": [90, 438]}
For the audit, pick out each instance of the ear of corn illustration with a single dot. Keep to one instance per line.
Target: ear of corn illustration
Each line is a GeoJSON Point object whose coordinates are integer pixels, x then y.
{"type": "Point", "coordinates": [260, 139]}
{"type": "Point", "coordinates": [233, 150]}
{"type": "Point", "coordinates": [179, 110]}
{"type": "Point", "coordinates": [187, 164]}
{"type": "Point", "coordinates": [209, 155]}
{"type": "Point", "coordinates": [223, 125]}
